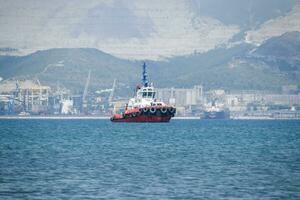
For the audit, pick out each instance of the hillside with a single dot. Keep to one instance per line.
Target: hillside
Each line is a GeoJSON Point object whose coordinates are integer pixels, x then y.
{"type": "Point", "coordinates": [233, 68]}
{"type": "Point", "coordinates": [68, 67]}
{"type": "Point", "coordinates": [281, 53]}
{"type": "Point", "coordinates": [241, 67]}
{"type": "Point", "coordinates": [141, 29]}
{"type": "Point", "coordinates": [285, 46]}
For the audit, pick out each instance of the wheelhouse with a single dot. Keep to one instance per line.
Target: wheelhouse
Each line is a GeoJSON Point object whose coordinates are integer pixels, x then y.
{"type": "Point", "coordinates": [146, 92]}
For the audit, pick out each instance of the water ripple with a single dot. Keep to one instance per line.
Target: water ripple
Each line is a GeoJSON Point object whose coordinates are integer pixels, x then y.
{"type": "Point", "coordinates": [184, 159]}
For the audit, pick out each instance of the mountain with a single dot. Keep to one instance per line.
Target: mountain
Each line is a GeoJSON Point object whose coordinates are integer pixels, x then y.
{"type": "Point", "coordinates": [275, 27]}
{"type": "Point", "coordinates": [244, 66]}
{"type": "Point", "coordinates": [285, 46]}
{"type": "Point", "coordinates": [233, 68]}
{"type": "Point", "coordinates": [142, 29]}
{"type": "Point", "coordinates": [246, 14]}
{"type": "Point", "coordinates": [281, 53]}
{"type": "Point", "coordinates": [68, 67]}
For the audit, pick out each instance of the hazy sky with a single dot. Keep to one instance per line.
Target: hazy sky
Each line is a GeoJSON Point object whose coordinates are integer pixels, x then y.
{"type": "Point", "coordinates": [141, 29]}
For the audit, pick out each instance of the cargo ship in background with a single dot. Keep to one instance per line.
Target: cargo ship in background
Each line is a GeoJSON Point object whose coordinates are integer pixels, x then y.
{"type": "Point", "coordinates": [216, 111]}
{"type": "Point", "coordinates": [144, 107]}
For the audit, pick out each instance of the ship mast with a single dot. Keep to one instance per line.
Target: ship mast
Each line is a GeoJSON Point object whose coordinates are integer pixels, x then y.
{"type": "Point", "coordinates": [144, 79]}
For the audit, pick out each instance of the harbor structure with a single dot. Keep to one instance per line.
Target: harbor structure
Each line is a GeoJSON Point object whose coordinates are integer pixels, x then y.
{"type": "Point", "coordinates": [29, 96]}
{"type": "Point", "coordinates": [181, 97]}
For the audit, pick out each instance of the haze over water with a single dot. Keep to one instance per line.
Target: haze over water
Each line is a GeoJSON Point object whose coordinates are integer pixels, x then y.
{"type": "Point", "coordinates": [184, 159]}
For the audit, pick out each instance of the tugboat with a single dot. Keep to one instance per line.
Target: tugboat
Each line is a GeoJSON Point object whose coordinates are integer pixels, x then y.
{"type": "Point", "coordinates": [144, 107]}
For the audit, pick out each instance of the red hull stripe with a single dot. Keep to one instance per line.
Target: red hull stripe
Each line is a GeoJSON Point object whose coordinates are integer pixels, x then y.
{"type": "Point", "coordinates": [144, 118]}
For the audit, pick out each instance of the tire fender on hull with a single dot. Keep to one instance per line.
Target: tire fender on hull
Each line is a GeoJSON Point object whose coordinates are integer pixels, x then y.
{"type": "Point", "coordinates": [145, 110]}
{"type": "Point", "coordinates": [163, 110]}
{"type": "Point", "coordinates": [172, 110]}
{"type": "Point", "coordinates": [152, 110]}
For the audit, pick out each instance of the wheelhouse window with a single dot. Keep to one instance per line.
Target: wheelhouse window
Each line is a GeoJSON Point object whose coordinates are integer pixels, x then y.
{"type": "Point", "coordinates": [147, 93]}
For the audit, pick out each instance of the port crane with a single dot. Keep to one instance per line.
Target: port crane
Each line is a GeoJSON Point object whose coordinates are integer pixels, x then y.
{"type": "Point", "coordinates": [111, 95]}
{"type": "Point", "coordinates": [84, 99]}
{"type": "Point", "coordinates": [15, 97]}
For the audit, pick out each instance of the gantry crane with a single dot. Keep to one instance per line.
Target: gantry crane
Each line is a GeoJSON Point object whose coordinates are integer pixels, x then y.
{"type": "Point", "coordinates": [84, 99]}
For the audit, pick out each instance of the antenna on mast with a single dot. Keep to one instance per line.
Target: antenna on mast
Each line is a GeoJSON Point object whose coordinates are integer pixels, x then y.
{"type": "Point", "coordinates": [144, 79]}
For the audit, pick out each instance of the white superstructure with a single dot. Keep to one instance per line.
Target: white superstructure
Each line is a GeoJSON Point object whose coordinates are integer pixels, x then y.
{"type": "Point", "coordinates": [145, 97]}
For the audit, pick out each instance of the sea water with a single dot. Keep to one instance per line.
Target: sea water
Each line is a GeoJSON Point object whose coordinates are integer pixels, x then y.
{"type": "Point", "coordinates": [183, 159]}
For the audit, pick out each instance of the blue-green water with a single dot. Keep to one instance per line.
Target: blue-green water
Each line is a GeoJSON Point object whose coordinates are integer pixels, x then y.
{"type": "Point", "coordinates": [184, 159]}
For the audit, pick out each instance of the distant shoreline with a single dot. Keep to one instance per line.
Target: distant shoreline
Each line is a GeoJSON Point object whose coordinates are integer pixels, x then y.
{"type": "Point", "coordinates": [71, 117]}
{"type": "Point", "coordinates": [107, 118]}
{"type": "Point", "coordinates": [54, 117]}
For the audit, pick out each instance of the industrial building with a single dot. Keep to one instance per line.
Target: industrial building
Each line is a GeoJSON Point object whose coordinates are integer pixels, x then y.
{"type": "Point", "coordinates": [186, 100]}
{"type": "Point", "coordinates": [24, 96]}
{"type": "Point", "coordinates": [181, 96]}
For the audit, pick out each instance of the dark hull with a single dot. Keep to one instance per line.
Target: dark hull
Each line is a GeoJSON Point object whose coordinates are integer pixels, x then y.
{"type": "Point", "coordinates": [145, 116]}
{"type": "Point", "coordinates": [216, 115]}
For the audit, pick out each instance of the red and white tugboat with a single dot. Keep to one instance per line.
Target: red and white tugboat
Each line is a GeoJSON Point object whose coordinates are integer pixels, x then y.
{"type": "Point", "coordinates": [144, 107]}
